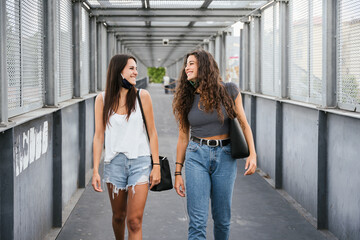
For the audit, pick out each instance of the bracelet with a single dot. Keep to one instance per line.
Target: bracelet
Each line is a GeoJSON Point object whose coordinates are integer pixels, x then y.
{"type": "Point", "coordinates": [177, 173]}
{"type": "Point", "coordinates": [179, 163]}
{"type": "Point", "coordinates": [156, 163]}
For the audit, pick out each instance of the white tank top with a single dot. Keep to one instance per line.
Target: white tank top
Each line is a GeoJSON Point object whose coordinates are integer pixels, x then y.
{"type": "Point", "coordinates": [126, 136]}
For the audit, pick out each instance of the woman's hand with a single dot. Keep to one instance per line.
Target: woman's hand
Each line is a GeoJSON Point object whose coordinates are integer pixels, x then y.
{"type": "Point", "coordinates": [250, 165]}
{"type": "Point", "coordinates": [96, 182]}
{"type": "Point", "coordinates": [155, 176]}
{"type": "Point", "coordinates": [179, 185]}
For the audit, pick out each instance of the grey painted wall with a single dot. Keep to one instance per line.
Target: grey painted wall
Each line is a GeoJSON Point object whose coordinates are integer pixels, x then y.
{"type": "Point", "coordinates": [300, 135]}
{"type": "Point", "coordinates": [33, 178]}
{"type": "Point", "coordinates": [70, 151]}
{"type": "Point", "coordinates": [343, 176]}
{"type": "Point", "coordinates": [304, 129]}
{"type": "Point", "coordinates": [265, 142]}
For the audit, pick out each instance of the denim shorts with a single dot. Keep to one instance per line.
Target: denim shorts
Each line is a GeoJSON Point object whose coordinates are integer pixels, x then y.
{"type": "Point", "coordinates": [123, 173]}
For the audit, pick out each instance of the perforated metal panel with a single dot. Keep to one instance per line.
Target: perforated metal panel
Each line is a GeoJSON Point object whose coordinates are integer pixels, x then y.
{"type": "Point", "coordinates": [84, 53]}
{"type": "Point", "coordinates": [267, 53]}
{"type": "Point", "coordinates": [25, 63]}
{"type": "Point", "coordinates": [65, 88]}
{"type": "Point", "coordinates": [316, 49]}
{"type": "Point", "coordinates": [348, 77]}
{"type": "Point", "coordinates": [306, 50]}
{"type": "Point", "coordinates": [299, 50]}
{"type": "Point", "coordinates": [13, 54]}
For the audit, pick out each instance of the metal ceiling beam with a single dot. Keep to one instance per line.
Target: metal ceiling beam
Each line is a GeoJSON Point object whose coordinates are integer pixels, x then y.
{"type": "Point", "coordinates": [185, 12]}
{"type": "Point", "coordinates": [202, 18]}
{"type": "Point", "coordinates": [159, 44]}
{"type": "Point", "coordinates": [164, 30]}
{"type": "Point", "coordinates": [161, 34]}
{"type": "Point", "coordinates": [159, 41]}
{"type": "Point", "coordinates": [157, 38]}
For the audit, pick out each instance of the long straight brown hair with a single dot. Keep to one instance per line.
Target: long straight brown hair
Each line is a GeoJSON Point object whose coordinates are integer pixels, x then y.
{"type": "Point", "coordinates": [113, 88]}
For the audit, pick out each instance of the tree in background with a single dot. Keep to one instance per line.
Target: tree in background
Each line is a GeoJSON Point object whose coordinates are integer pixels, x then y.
{"type": "Point", "coordinates": [156, 74]}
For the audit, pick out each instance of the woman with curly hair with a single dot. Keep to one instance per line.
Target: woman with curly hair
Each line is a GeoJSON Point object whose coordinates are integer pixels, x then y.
{"type": "Point", "coordinates": [203, 105]}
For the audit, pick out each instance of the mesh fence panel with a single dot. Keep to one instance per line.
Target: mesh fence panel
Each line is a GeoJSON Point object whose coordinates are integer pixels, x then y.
{"type": "Point", "coordinates": [32, 43]}
{"type": "Point", "coordinates": [348, 78]}
{"type": "Point", "coordinates": [316, 46]}
{"type": "Point", "coordinates": [270, 54]}
{"type": "Point", "coordinates": [268, 50]}
{"type": "Point", "coordinates": [25, 63]}
{"type": "Point", "coordinates": [84, 53]}
{"type": "Point", "coordinates": [13, 56]}
{"type": "Point", "coordinates": [277, 52]}
{"type": "Point", "coordinates": [299, 50]}
{"type": "Point", "coordinates": [306, 50]}
{"type": "Point", "coordinates": [65, 88]}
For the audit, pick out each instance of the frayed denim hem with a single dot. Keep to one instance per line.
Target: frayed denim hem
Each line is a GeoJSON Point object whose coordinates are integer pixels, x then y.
{"type": "Point", "coordinates": [115, 189]}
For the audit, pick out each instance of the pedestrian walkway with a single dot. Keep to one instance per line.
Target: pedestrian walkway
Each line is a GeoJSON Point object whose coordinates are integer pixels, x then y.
{"type": "Point", "coordinates": [258, 212]}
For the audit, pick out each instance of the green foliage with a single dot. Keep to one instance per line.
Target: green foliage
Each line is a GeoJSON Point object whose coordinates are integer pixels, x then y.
{"type": "Point", "coordinates": [156, 74]}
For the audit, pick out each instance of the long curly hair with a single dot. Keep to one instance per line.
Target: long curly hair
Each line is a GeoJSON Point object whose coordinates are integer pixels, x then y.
{"type": "Point", "coordinates": [114, 85]}
{"type": "Point", "coordinates": [213, 93]}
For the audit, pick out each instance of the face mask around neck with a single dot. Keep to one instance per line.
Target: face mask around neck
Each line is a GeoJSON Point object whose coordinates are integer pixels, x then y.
{"type": "Point", "coordinates": [125, 83]}
{"type": "Point", "coordinates": [194, 84]}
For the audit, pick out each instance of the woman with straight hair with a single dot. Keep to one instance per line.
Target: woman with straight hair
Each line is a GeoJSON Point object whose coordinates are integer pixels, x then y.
{"type": "Point", "coordinates": [203, 105]}
{"type": "Point", "coordinates": [127, 163]}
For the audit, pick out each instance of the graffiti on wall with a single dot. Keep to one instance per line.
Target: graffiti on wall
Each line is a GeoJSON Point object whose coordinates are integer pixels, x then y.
{"type": "Point", "coordinates": [29, 146]}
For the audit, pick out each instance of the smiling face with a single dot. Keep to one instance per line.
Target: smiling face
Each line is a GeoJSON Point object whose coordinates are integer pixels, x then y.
{"type": "Point", "coordinates": [130, 71]}
{"type": "Point", "coordinates": [191, 68]}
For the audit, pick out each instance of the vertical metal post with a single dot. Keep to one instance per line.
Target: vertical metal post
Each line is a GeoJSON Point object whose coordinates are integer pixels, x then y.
{"type": "Point", "coordinates": [212, 46]}
{"type": "Point", "coordinates": [77, 29]}
{"type": "Point", "coordinates": [3, 67]}
{"type": "Point", "coordinates": [329, 53]}
{"type": "Point", "coordinates": [57, 169]}
{"type": "Point", "coordinates": [99, 55]}
{"type": "Point", "coordinates": [82, 143]}
{"type": "Point", "coordinates": [222, 64]}
{"type": "Point", "coordinates": [241, 76]}
{"type": "Point", "coordinates": [257, 67]}
{"type": "Point", "coordinates": [93, 55]}
{"type": "Point", "coordinates": [109, 46]}
{"type": "Point", "coordinates": [284, 48]}
{"type": "Point", "coordinates": [118, 46]}
{"type": "Point", "coordinates": [218, 49]}
{"type": "Point", "coordinates": [322, 199]}
{"type": "Point", "coordinates": [246, 54]}
{"type": "Point", "coordinates": [7, 185]}
{"type": "Point", "coordinates": [51, 50]}
{"type": "Point", "coordinates": [278, 145]}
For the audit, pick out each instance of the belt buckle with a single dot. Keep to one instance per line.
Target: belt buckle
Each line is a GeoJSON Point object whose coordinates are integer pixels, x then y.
{"type": "Point", "coordinates": [208, 142]}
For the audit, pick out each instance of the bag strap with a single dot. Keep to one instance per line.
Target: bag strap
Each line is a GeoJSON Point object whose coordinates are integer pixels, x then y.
{"type": "Point", "coordinates": [142, 112]}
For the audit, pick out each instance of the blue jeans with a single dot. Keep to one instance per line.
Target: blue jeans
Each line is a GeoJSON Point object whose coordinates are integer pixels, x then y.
{"type": "Point", "coordinates": [210, 174]}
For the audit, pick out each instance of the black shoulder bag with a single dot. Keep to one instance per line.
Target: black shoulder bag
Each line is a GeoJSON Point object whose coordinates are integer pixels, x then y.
{"type": "Point", "coordinates": [166, 181]}
{"type": "Point", "coordinates": [238, 144]}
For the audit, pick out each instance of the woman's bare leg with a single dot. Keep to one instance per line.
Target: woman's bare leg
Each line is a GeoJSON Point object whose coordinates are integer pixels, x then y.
{"type": "Point", "coordinates": [118, 205]}
{"type": "Point", "coordinates": [135, 210]}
